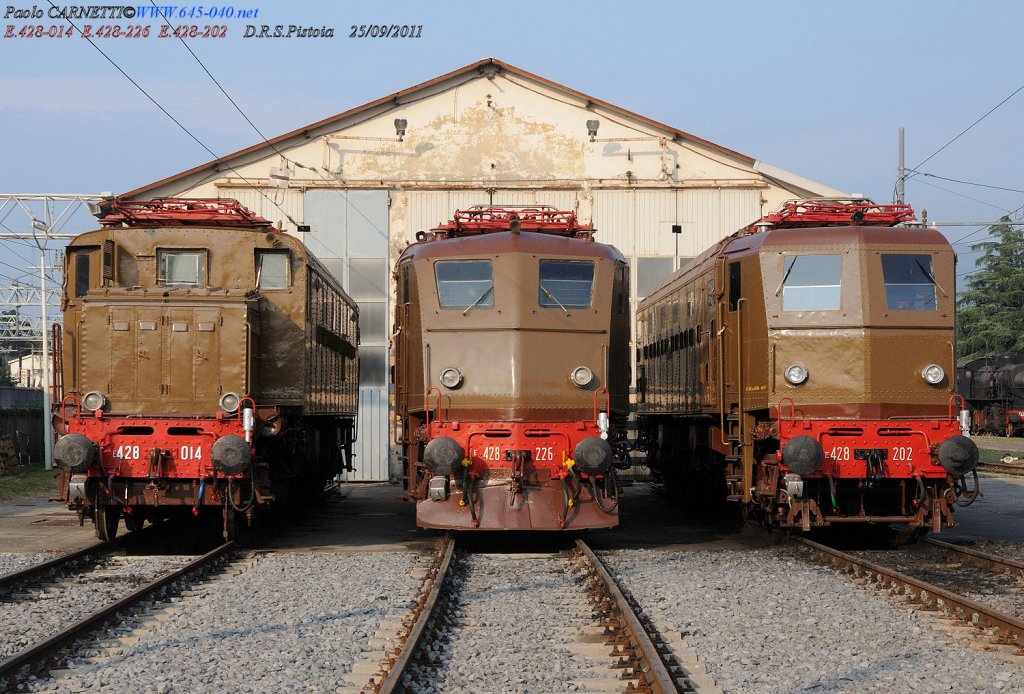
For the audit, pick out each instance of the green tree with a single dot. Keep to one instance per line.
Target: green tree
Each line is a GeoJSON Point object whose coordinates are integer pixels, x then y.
{"type": "Point", "coordinates": [990, 315]}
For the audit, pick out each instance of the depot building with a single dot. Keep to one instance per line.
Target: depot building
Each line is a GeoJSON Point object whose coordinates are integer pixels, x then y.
{"type": "Point", "coordinates": [356, 187]}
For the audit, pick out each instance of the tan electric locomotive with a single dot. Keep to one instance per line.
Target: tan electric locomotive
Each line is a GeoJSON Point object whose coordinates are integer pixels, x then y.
{"type": "Point", "coordinates": [209, 363]}
{"type": "Point", "coordinates": [804, 367]}
{"type": "Point", "coordinates": [512, 371]}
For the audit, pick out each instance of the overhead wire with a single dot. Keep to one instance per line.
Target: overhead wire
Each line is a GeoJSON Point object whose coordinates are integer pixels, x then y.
{"type": "Point", "coordinates": [968, 183]}
{"type": "Point", "coordinates": [961, 195]}
{"type": "Point", "coordinates": [171, 117]}
{"type": "Point", "coordinates": [968, 128]}
{"type": "Point", "coordinates": [262, 136]}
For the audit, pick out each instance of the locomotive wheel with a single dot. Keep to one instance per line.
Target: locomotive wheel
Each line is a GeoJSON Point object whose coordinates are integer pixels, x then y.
{"type": "Point", "coordinates": [108, 516]}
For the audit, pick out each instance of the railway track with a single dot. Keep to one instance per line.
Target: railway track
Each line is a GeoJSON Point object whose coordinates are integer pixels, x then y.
{"type": "Point", "coordinates": [1000, 629]}
{"type": "Point", "coordinates": [10, 581]}
{"type": "Point", "coordinates": [1002, 469]}
{"type": "Point", "coordinates": [589, 632]}
{"type": "Point", "coordinates": [37, 655]}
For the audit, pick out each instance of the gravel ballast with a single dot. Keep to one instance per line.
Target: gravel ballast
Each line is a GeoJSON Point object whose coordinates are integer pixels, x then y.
{"type": "Point", "coordinates": [283, 622]}
{"type": "Point", "coordinates": [10, 562]}
{"type": "Point", "coordinates": [765, 621]}
{"type": "Point", "coordinates": [513, 625]}
{"type": "Point", "coordinates": [35, 613]}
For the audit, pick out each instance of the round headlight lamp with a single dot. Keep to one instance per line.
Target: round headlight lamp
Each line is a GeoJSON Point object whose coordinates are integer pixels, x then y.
{"type": "Point", "coordinates": [451, 378]}
{"type": "Point", "coordinates": [796, 374]}
{"type": "Point", "coordinates": [94, 400]}
{"type": "Point", "coordinates": [581, 376]}
{"type": "Point", "coordinates": [933, 374]}
{"type": "Point", "coordinates": [229, 402]}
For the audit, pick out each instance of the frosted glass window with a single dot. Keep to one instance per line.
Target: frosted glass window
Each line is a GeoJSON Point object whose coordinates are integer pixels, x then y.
{"type": "Point", "coordinates": [335, 266]}
{"type": "Point", "coordinates": [650, 272]}
{"type": "Point", "coordinates": [373, 321]}
{"type": "Point", "coordinates": [372, 366]}
{"type": "Point", "coordinates": [811, 282]}
{"type": "Point", "coordinates": [368, 278]}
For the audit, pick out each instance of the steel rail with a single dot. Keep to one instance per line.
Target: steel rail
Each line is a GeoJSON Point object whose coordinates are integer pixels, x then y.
{"type": "Point", "coordinates": [52, 644]}
{"type": "Point", "coordinates": [1002, 469]}
{"type": "Point", "coordinates": [13, 578]}
{"type": "Point", "coordinates": [1011, 629]}
{"type": "Point", "coordinates": [978, 558]}
{"type": "Point", "coordinates": [426, 608]}
{"type": "Point", "coordinates": [653, 671]}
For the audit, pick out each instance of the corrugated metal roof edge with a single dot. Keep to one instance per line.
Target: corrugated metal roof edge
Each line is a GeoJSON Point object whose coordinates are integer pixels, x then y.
{"type": "Point", "coordinates": [480, 64]}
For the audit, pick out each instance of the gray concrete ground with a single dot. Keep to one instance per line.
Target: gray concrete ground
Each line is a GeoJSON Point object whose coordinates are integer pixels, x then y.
{"type": "Point", "coordinates": [37, 525]}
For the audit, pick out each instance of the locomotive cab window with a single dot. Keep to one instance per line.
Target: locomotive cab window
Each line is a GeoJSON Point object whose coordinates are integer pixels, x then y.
{"type": "Point", "coordinates": [272, 269]}
{"type": "Point", "coordinates": [565, 284]}
{"type": "Point", "coordinates": [909, 282]}
{"type": "Point", "coordinates": [811, 282]}
{"type": "Point", "coordinates": [464, 284]}
{"type": "Point", "coordinates": [181, 268]}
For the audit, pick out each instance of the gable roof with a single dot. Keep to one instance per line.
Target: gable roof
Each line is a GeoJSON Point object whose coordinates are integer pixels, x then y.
{"type": "Point", "coordinates": [482, 67]}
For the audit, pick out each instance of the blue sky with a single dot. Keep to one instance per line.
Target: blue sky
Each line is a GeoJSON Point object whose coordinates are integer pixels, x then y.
{"type": "Point", "coordinates": [817, 88]}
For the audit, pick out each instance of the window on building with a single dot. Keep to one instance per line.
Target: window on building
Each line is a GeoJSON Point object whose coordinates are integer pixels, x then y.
{"type": "Point", "coordinates": [566, 283]}
{"type": "Point", "coordinates": [909, 283]}
{"type": "Point", "coordinates": [649, 274]}
{"type": "Point", "coordinates": [181, 268]}
{"type": "Point", "coordinates": [464, 283]}
{"type": "Point", "coordinates": [811, 282]}
{"type": "Point", "coordinates": [272, 269]}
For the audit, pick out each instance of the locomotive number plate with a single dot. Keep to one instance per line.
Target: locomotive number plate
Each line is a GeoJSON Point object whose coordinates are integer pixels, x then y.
{"type": "Point", "coordinates": [127, 452]}
{"type": "Point", "coordinates": [538, 454]}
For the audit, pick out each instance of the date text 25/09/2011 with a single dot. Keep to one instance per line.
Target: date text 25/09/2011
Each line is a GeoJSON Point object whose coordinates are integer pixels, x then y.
{"type": "Point", "coordinates": [282, 31]}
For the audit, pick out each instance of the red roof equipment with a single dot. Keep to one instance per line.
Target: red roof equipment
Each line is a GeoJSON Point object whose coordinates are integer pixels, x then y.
{"type": "Point", "coordinates": [836, 213]}
{"type": "Point", "coordinates": [481, 219]}
{"type": "Point", "coordinates": [210, 212]}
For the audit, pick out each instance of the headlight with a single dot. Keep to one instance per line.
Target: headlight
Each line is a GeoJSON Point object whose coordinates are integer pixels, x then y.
{"type": "Point", "coordinates": [451, 378]}
{"type": "Point", "coordinates": [229, 402]}
{"type": "Point", "coordinates": [581, 376]}
{"type": "Point", "coordinates": [796, 374]}
{"type": "Point", "coordinates": [94, 400]}
{"type": "Point", "coordinates": [933, 373]}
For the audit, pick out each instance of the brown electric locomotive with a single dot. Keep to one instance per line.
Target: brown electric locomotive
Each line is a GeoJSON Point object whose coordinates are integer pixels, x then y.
{"type": "Point", "coordinates": [803, 368]}
{"type": "Point", "coordinates": [209, 364]}
{"type": "Point", "coordinates": [512, 371]}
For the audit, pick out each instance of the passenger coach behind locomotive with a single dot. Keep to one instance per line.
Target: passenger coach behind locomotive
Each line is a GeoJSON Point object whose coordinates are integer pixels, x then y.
{"type": "Point", "coordinates": [994, 390]}
{"type": "Point", "coordinates": [512, 372]}
{"type": "Point", "coordinates": [804, 365]}
{"type": "Point", "coordinates": [210, 365]}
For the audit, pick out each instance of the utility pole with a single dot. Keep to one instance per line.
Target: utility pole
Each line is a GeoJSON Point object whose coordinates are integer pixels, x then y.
{"type": "Point", "coordinates": [902, 173]}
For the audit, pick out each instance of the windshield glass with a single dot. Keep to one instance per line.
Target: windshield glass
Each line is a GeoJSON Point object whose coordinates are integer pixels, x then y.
{"type": "Point", "coordinates": [909, 283]}
{"type": "Point", "coordinates": [464, 283]}
{"type": "Point", "coordinates": [811, 282]}
{"type": "Point", "coordinates": [565, 283]}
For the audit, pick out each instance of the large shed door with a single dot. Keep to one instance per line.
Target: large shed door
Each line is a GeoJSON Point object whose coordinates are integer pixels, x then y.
{"type": "Point", "coordinates": [349, 234]}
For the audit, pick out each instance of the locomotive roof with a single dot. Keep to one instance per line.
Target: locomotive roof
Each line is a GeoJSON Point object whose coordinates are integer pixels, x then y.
{"type": "Point", "coordinates": [94, 237]}
{"type": "Point", "coordinates": [508, 242]}
{"type": "Point", "coordinates": [745, 242]}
